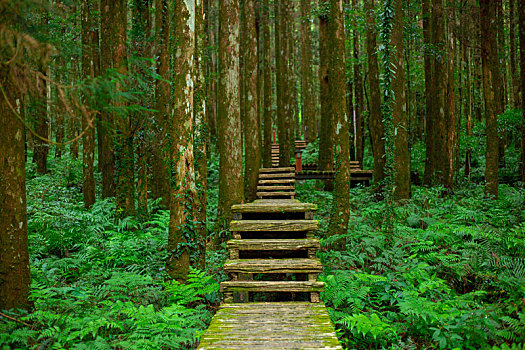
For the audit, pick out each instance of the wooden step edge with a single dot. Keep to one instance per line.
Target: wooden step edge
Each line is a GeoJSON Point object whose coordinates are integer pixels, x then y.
{"type": "Point", "coordinates": [273, 266]}
{"type": "Point", "coordinates": [271, 286]}
{"type": "Point", "coordinates": [276, 170]}
{"type": "Point", "coordinates": [276, 175]}
{"type": "Point", "coordinates": [275, 188]}
{"type": "Point", "coordinates": [273, 225]}
{"type": "Point", "coordinates": [276, 194]}
{"type": "Point", "coordinates": [274, 244]}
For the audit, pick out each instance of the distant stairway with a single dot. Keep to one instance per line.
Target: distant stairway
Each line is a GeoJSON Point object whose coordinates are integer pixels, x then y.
{"type": "Point", "coordinates": [276, 183]}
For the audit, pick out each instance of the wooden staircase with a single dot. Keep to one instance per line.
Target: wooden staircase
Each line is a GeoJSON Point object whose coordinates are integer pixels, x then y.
{"type": "Point", "coordinates": [299, 146]}
{"type": "Point", "coordinates": [273, 237]}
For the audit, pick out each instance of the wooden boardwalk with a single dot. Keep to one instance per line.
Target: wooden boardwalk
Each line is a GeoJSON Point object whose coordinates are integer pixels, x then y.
{"type": "Point", "coordinates": [272, 239]}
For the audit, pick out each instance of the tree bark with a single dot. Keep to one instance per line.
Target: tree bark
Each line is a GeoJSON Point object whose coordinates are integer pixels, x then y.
{"type": "Point", "coordinates": [88, 73]}
{"type": "Point", "coordinates": [399, 109]}
{"type": "Point", "coordinates": [14, 254]}
{"type": "Point", "coordinates": [251, 126]}
{"type": "Point", "coordinates": [521, 12]}
{"type": "Point", "coordinates": [490, 68]}
{"type": "Point", "coordinates": [182, 166]}
{"type": "Point", "coordinates": [515, 79]}
{"type": "Point", "coordinates": [106, 118]}
{"type": "Point", "coordinates": [341, 204]}
{"type": "Point", "coordinates": [359, 121]}
{"type": "Point", "coordinates": [450, 106]}
{"type": "Point", "coordinates": [200, 141]}
{"type": "Point", "coordinates": [377, 132]}
{"type": "Point", "coordinates": [267, 72]}
{"type": "Point", "coordinates": [229, 133]}
{"type": "Point", "coordinates": [307, 97]}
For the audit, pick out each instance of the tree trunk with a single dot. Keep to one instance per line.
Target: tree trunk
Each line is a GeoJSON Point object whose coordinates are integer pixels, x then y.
{"type": "Point", "coordinates": [201, 132]}
{"type": "Point", "coordinates": [359, 121]}
{"type": "Point", "coordinates": [490, 68]}
{"type": "Point", "coordinates": [521, 12]}
{"type": "Point", "coordinates": [429, 69]}
{"type": "Point", "coordinates": [501, 78]}
{"type": "Point", "coordinates": [399, 110]}
{"type": "Point", "coordinates": [377, 132]}
{"type": "Point", "coordinates": [14, 254]}
{"type": "Point", "coordinates": [107, 126]}
{"type": "Point", "coordinates": [450, 106]}
{"type": "Point", "coordinates": [229, 131]}
{"type": "Point", "coordinates": [88, 122]}
{"type": "Point", "coordinates": [326, 132]}
{"type": "Point", "coordinates": [211, 103]}
{"type": "Point", "coordinates": [251, 126]}
{"type": "Point", "coordinates": [308, 102]}
{"type": "Point", "coordinates": [41, 149]}
{"type": "Point", "coordinates": [182, 169]}
{"type": "Point", "coordinates": [336, 86]}
{"type": "Point", "coordinates": [267, 108]}
{"type": "Point", "coordinates": [515, 79]}
{"type": "Point", "coordinates": [160, 166]}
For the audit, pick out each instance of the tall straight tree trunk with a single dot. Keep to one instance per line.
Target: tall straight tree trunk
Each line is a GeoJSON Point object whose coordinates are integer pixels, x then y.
{"type": "Point", "coordinates": [88, 72]}
{"type": "Point", "coordinates": [326, 132]}
{"type": "Point", "coordinates": [468, 109]}
{"type": "Point", "coordinates": [377, 132]}
{"type": "Point", "coordinates": [359, 121]}
{"type": "Point", "coordinates": [267, 72]}
{"type": "Point", "coordinates": [429, 116]}
{"type": "Point", "coordinates": [252, 127]}
{"type": "Point", "coordinates": [124, 154]}
{"type": "Point", "coordinates": [307, 97]}
{"type": "Point", "coordinates": [399, 110]}
{"type": "Point", "coordinates": [521, 12]}
{"type": "Point", "coordinates": [514, 76]}
{"type": "Point", "coordinates": [182, 169]}
{"type": "Point", "coordinates": [14, 254]}
{"type": "Point", "coordinates": [200, 141]}
{"type": "Point", "coordinates": [490, 68]}
{"type": "Point", "coordinates": [41, 149]}
{"type": "Point", "coordinates": [107, 125]}
{"type": "Point", "coordinates": [60, 113]}
{"type": "Point", "coordinates": [229, 132]}
{"type": "Point", "coordinates": [450, 106]}
{"type": "Point", "coordinates": [336, 86]}
{"type": "Point", "coordinates": [211, 103]}
{"type": "Point", "coordinates": [161, 163]}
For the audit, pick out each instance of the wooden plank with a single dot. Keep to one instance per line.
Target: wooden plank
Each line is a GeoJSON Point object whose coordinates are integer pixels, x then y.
{"type": "Point", "coordinates": [276, 170]}
{"type": "Point", "coordinates": [274, 206]}
{"type": "Point", "coordinates": [276, 181]}
{"type": "Point", "coordinates": [276, 194]}
{"type": "Point", "coordinates": [276, 176]}
{"type": "Point", "coordinates": [273, 244]}
{"type": "Point", "coordinates": [292, 325]}
{"type": "Point", "coordinates": [275, 188]}
{"type": "Point", "coordinates": [273, 266]}
{"type": "Point", "coordinates": [271, 286]}
{"type": "Point", "coordinates": [273, 225]}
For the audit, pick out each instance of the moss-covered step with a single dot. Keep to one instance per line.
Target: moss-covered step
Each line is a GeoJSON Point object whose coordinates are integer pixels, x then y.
{"type": "Point", "coordinates": [271, 286]}
{"type": "Point", "coordinates": [273, 244]}
{"type": "Point", "coordinates": [262, 188]}
{"type": "Point", "coordinates": [273, 225]}
{"type": "Point", "coordinates": [274, 206]}
{"type": "Point", "coordinates": [277, 175]}
{"type": "Point", "coordinates": [276, 194]}
{"type": "Point", "coordinates": [292, 325]}
{"type": "Point", "coordinates": [276, 181]}
{"type": "Point", "coordinates": [276, 170]}
{"type": "Point", "coordinates": [295, 265]}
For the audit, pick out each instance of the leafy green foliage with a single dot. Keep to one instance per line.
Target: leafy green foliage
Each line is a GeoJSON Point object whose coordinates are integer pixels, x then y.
{"type": "Point", "coordinates": [453, 276]}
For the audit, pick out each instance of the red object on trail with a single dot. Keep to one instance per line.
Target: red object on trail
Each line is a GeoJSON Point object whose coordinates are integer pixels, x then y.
{"type": "Point", "coordinates": [298, 161]}
{"type": "Point", "coordinates": [274, 139]}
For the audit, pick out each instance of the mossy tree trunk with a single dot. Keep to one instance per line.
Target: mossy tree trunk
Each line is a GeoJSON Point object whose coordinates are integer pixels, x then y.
{"type": "Point", "coordinates": [107, 125]}
{"type": "Point", "coordinates": [337, 92]}
{"type": "Point", "coordinates": [200, 141]}
{"type": "Point", "coordinates": [399, 109]}
{"type": "Point", "coordinates": [14, 255]}
{"type": "Point", "coordinates": [251, 125]}
{"type": "Point", "coordinates": [268, 94]}
{"type": "Point", "coordinates": [229, 133]}
{"type": "Point", "coordinates": [307, 96]}
{"type": "Point", "coordinates": [489, 66]}
{"type": "Point", "coordinates": [377, 132]}
{"type": "Point", "coordinates": [88, 122]}
{"type": "Point", "coordinates": [181, 229]}
{"type": "Point", "coordinates": [521, 13]}
{"type": "Point", "coordinates": [359, 120]}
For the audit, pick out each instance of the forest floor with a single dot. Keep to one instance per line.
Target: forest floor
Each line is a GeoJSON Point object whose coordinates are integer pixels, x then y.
{"type": "Point", "coordinates": [452, 275]}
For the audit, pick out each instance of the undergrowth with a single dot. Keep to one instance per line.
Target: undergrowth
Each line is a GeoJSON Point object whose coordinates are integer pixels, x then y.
{"type": "Point", "coordinates": [453, 278]}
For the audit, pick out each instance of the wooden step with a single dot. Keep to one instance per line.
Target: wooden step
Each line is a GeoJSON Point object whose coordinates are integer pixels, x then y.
{"type": "Point", "coordinates": [277, 175]}
{"type": "Point", "coordinates": [274, 206]}
{"type": "Point", "coordinates": [273, 244]}
{"type": "Point", "coordinates": [276, 181]}
{"type": "Point", "coordinates": [276, 194]}
{"type": "Point", "coordinates": [273, 225]}
{"type": "Point", "coordinates": [276, 170]}
{"type": "Point", "coordinates": [271, 286]}
{"type": "Point", "coordinates": [275, 188]}
{"type": "Point", "coordinates": [273, 266]}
